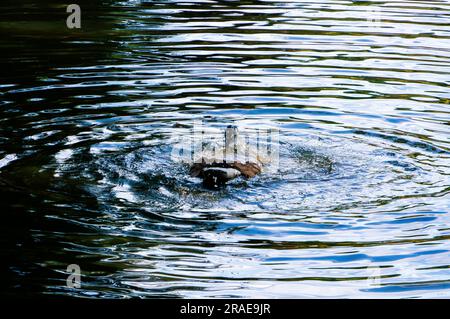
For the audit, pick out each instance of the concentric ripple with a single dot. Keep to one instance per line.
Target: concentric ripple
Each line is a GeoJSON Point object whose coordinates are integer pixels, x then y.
{"type": "Point", "coordinates": [356, 206]}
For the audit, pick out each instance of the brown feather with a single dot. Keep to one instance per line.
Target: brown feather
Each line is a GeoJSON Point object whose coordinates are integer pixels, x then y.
{"type": "Point", "coordinates": [247, 169]}
{"type": "Point", "coordinates": [196, 169]}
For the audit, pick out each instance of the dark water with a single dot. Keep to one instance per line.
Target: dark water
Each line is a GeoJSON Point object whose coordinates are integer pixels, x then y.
{"type": "Point", "coordinates": [359, 91]}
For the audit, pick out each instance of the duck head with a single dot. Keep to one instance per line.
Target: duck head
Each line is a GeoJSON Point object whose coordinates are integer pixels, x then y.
{"type": "Point", "coordinates": [216, 172]}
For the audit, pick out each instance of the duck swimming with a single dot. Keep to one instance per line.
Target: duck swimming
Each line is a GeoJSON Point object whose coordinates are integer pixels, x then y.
{"type": "Point", "coordinates": [216, 171]}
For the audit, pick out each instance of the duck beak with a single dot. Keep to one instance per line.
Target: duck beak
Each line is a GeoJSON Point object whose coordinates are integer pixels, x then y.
{"type": "Point", "coordinates": [231, 134]}
{"type": "Point", "coordinates": [231, 139]}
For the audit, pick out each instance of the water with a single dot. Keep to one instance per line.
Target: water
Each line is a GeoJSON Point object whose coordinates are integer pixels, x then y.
{"type": "Point", "coordinates": [359, 91]}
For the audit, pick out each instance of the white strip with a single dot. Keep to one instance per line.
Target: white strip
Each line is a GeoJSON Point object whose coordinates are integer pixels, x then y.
{"type": "Point", "coordinates": [231, 172]}
{"type": "Point", "coordinates": [7, 159]}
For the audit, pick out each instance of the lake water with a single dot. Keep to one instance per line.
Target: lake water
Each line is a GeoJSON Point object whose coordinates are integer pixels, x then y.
{"type": "Point", "coordinates": [358, 91]}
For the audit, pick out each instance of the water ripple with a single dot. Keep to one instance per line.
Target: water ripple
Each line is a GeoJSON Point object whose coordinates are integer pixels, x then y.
{"type": "Point", "coordinates": [359, 91]}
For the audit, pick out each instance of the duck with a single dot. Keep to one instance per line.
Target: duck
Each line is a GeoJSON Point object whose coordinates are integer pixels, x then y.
{"type": "Point", "coordinates": [216, 172]}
